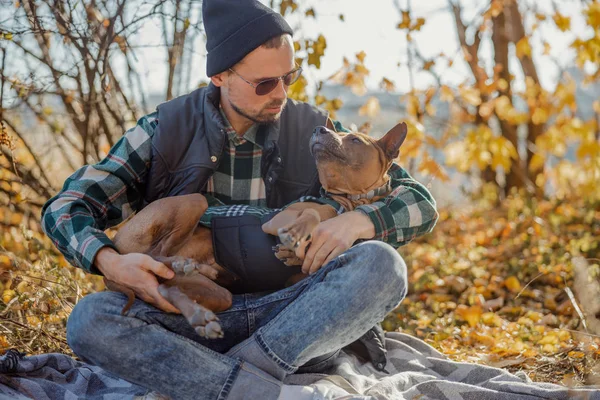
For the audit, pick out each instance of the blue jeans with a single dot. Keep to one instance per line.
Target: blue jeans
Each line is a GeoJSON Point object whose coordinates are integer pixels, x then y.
{"type": "Point", "coordinates": [267, 336]}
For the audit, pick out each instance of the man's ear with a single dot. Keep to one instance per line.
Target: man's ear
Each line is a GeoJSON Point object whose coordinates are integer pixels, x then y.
{"type": "Point", "coordinates": [219, 79]}
{"type": "Point", "coordinates": [391, 142]}
{"type": "Point", "coordinates": [330, 124]}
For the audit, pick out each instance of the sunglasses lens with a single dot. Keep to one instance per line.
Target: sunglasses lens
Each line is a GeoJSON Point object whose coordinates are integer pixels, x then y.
{"type": "Point", "coordinates": [266, 87]}
{"type": "Point", "coordinates": [292, 77]}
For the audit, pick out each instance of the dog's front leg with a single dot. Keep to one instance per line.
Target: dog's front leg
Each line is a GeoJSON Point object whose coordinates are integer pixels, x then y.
{"type": "Point", "coordinates": [297, 236]}
{"type": "Point", "coordinates": [204, 321]}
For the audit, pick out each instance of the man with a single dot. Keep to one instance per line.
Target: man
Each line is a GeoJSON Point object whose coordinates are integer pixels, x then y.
{"type": "Point", "coordinates": [238, 141]}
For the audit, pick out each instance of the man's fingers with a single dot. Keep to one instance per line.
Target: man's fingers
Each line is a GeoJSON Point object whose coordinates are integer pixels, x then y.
{"type": "Point", "coordinates": [336, 252]}
{"type": "Point", "coordinates": [309, 256]}
{"type": "Point", "coordinates": [158, 269]}
{"type": "Point", "coordinates": [320, 257]}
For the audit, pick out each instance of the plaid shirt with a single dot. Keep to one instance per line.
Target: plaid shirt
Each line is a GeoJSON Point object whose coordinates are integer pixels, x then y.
{"type": "Point", "coordinates": [237, 179]}
{"type": "Point", "coordinates": [102, 195]}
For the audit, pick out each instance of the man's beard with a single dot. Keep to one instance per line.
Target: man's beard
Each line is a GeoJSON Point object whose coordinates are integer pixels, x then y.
{"type": "Point", "coordinates": [260, 119]}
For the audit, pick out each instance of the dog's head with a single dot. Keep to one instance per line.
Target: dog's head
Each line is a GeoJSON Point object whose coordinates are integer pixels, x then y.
{"type": "Point", "coordinates": [354, 163]}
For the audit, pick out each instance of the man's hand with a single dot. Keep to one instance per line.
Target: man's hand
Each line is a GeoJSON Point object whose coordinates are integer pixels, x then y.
{"type": "Point", "coordinates": [137, 272]}
{"type": "Point", "coordinates": [333, 237]}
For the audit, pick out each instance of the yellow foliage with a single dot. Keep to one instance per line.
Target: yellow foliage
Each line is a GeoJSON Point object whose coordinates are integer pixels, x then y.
{"type": "Point", "coordinates": [446, 94]}
{"type": "Point", "coordinates": [512, 283]}
{"type": "Point", "coordinates": [523, 47]}
{"type": "Point", "coordinates": [593, 14]}
{"type": "Point", "coordinates": [405, 23]}
{"type": "Point", "coordinates": [371, 107]}
{"type": "Point", "coordinates": [470, 95]}
{"type": "Point", "coordinates": [562, 22]}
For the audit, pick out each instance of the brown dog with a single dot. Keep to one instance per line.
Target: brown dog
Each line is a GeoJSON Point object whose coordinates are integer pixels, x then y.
{"type": "Point", "coordinates": [352, 169]}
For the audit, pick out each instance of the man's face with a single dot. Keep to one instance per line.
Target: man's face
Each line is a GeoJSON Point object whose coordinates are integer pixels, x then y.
{"type": "Point", "coordinates": [261, 64]}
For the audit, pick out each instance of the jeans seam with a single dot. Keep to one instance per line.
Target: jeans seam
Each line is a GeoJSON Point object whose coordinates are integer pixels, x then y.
{"type": "Point", "coordinates": [274, 357]}
{"type": "Point", "coordinates": [267, 378]}
{"type": "Point", "coordinates": [199, 346]}
{"type": "Point", "coordinates": [229, 382]}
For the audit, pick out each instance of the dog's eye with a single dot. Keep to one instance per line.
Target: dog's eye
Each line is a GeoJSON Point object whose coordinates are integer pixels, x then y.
{"type": "Point", "coordinates": [356, 140]}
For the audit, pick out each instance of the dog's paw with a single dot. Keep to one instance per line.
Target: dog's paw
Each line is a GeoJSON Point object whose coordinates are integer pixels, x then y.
{"type": "Point", "coordinates": [205, 323]}
{"type": "Point", "coordinates": [282, 252]}
{"type": "Point", "coordinates": [286, 256]}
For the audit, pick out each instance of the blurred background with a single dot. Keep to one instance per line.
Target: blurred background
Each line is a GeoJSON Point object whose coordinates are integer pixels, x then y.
{"type": "Point", "coordinates": [502, 99]}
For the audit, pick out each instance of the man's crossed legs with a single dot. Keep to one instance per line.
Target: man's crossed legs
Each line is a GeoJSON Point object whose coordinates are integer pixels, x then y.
{"type": "Point", "coordinates": [266, 336]}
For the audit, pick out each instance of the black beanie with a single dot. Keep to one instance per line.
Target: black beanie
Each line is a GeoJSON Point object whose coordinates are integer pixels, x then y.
{"type": "Point", "coordinates": [236, 27]}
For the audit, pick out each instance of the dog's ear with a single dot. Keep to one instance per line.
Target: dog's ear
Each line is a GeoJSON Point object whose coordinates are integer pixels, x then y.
{"type": "Point", "coordinates": [392, 140]}
{"type": "Point", "coordinates": [330, 125]}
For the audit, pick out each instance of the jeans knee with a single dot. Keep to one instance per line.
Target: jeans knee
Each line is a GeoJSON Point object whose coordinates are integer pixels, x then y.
{"type": "Point", "coordinates": [384, 268]}
{"type": "Point", "coordinates": [87, 320]}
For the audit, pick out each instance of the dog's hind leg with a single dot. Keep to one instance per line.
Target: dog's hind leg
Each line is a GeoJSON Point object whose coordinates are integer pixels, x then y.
{"type": "Point", "coordinates": [204, 321]}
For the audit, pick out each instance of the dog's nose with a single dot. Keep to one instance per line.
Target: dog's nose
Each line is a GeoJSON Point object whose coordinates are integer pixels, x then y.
{"type": "Point", "coordinates": [320, 130]}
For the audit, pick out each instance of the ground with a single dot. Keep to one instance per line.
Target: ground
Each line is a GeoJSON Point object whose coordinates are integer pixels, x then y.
{"type": "Point", "coordinates": [492, 284]}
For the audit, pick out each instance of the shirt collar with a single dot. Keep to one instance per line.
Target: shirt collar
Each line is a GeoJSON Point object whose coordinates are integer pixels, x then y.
{"type": "Point", "coordinates": [250, 135]}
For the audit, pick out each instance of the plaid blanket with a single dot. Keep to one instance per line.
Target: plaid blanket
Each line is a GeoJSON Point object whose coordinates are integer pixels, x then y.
{"type": "Point", "coordinates": [415, 371]}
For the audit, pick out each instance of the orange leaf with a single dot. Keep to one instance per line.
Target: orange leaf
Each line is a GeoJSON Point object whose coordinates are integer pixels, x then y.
{"type": "Point", "coordinates": [512, 284]}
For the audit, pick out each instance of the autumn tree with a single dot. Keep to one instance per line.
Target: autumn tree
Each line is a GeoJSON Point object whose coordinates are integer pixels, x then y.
{"type": "Point", "coordinates": [70, 84]}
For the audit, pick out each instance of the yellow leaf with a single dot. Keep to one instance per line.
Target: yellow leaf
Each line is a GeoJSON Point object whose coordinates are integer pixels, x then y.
{"type": "Point", "coordinates": [8, 295]}
{"type": "Point", "coordinates": [512, 284]}
{"type": "Point", "coordinates": [405, 24]}
{"type": "Point", "coordinates": [523, 47]}
{"type": "Point", "coordinates": [562, 22]}
{"type": "Point", "coordinates": [576, 354]}
{"type": "Point", "coordinates": [418, 24]}
{"type": "Point", "coordinates": [361, 56]}
{"type": "Point", "coordinates": [540, 116]}
{"type": "Point", "coordinates": [470, 95]}
{"type": "Point", "coordinates": [310, 13]}
{"type": "Point", "coordinates": [593, 14]}
{"type": "Point", "coordinates": [341, 17]}
{"type": "Point", "coordinates": [387, 85]}
{"type": "Point", "coordinates": [428, 64]}
{"type": "Point", "coordinates": [550, 338]}
{"type": "Point", "coordinates": [589, 148]}
{"type": "Point", "coordinates": [537, 162]}
{"type": "Point", "coordinates": [486, 109]}
{"type": "Point", "coordinates": [371, 107]}
{"type": "Point", "coordinates": [5, 262]}
{"type": "Point", "coordinates": [547, 48]}
{"type": "Point", "coordinates": [446, 94]}
{"type": "Point", "coordinates": [471, 315]}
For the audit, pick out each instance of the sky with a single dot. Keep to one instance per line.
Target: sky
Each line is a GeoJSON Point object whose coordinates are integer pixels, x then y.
{"type": "Point", "coordinates": [370, 26]}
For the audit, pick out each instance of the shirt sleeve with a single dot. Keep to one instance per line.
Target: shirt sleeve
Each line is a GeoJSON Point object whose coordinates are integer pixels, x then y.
{"type": "Point", "coordinates": [407, 212]}
{"type": "Point", "coordinates": [99, 196]}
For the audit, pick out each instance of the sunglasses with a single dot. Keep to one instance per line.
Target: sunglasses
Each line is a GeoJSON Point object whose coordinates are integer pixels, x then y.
{"type": "Point", "coordinates": [268, 85]}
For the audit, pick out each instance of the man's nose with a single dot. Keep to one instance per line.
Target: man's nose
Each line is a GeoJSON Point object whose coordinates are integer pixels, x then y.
{"type": "Point", "coordinates": [280, 92]}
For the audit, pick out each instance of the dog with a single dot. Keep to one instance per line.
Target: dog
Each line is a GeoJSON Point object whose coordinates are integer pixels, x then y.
{"type": "Point", "coordinates": [352, 169]}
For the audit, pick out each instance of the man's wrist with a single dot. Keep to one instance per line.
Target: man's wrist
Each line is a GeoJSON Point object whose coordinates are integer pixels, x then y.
{"type": "Point", "coordinates": [105, 260]}
{"type": "Point", "coordinates": [362, 224]}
